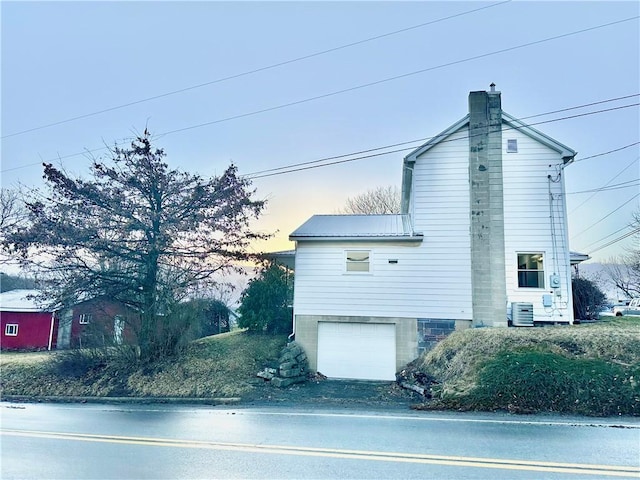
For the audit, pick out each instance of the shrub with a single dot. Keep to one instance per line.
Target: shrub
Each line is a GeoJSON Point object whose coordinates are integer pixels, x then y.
{"type": "Point", "coordinates": [265, 301]}
{"type": "Point", "coordinates": [80, 363]}
{"type": "Point", "coordinates": [588, 299]}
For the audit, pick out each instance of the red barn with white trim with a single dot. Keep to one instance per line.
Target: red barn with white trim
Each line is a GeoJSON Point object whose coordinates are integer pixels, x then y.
{"type": "Point", "coordinates": [25, 324]}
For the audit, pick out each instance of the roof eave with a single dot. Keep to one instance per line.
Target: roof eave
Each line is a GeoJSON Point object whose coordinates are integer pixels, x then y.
{"type": "Point", "coordinates": [372, 238]}
{"type": "Point", "coordinates": [411, 157]}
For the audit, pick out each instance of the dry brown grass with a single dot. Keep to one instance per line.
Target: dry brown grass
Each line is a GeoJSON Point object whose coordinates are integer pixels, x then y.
{"type": "Point", "coordinates": [219, 366]}
{"type": "Point", "coordinates": [457, 362]}
{"type": "Point", "coordinates": [24, 358]}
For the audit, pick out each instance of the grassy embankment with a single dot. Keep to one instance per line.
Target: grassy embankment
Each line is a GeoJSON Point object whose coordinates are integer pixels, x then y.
{"type": "Point", "coordinates": [220, 366]}
{"type": "Point", "coordinates": [589, 369]}
{"type": "Point", "coordinates": [584, 369]}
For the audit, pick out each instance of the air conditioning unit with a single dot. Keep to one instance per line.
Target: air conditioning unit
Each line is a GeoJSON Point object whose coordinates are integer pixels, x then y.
{"type": "Point", "coordinates": [522, 314]}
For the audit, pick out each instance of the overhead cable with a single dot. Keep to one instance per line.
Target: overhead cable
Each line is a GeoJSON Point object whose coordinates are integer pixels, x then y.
{"type": "Point", "coordinates": [318, 163]}
{"type": "Point", "coordinates": [606, 216]}
{"type": "Point", "coordinates": [256, 70]}
{"type": "Point", "coordinates": [620, 238]}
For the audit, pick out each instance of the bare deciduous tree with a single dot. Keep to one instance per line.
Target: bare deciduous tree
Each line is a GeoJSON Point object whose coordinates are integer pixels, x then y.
{"type": "Point", "coordinates": [13, 216]}
{"type": "Point", "coordinates": [139, 233]}
{"type": "Point", "coordinates": [624, 271]}
{"type": "Point", "coordinates": [12, 210]}
{"type": "Point", "coordinates": [377, 201]}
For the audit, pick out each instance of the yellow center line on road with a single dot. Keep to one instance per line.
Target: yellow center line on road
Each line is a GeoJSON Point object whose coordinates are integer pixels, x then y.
{"type": "Point", "coordinates": [460, 461]}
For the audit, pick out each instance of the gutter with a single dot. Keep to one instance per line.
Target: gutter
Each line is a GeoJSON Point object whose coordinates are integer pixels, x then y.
{"type": "Point", "coordinates": [374, 238]}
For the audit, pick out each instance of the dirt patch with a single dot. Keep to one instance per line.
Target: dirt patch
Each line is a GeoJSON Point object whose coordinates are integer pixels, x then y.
{"type": "Point", "coordinates": [334, 393]}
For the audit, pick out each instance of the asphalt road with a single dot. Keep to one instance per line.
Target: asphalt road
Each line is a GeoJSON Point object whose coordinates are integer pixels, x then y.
{"type": "Point", "coordinates": [46, 441]}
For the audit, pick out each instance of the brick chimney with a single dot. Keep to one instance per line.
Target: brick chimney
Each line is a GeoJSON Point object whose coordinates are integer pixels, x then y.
{"type": "Point", "coordinates": [488, 282]}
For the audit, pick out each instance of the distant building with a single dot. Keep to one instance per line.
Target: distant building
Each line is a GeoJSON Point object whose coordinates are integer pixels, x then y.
{"type": "Point", "coordinates": [26, 324]}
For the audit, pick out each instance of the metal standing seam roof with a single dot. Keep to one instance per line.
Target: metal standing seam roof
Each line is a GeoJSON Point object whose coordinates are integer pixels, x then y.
{"type": "Point", "coordinates": [21, 301]}
{"type": "Point", "coordinates": [356, 227]}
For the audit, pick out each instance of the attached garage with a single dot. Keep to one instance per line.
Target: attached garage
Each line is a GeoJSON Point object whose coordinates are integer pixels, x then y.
{"type": "Point", "coordinates": [365, 351]}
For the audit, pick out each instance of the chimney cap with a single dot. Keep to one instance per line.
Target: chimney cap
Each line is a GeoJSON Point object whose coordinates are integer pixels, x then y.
{"type": "Point", "coordinates": [493, 87]}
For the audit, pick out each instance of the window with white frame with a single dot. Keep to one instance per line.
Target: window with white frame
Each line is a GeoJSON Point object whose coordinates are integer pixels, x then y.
{"type": "Point", "coordinates": [530, 270]}
{"type": "Point", "coordinates": [85, 318]}
{"type": "Point", "coordinates": [358, 261]}
{"type": "Point", "coordinates": [11, 329]}
{"type": "Point", "coordinates": [512, 145]}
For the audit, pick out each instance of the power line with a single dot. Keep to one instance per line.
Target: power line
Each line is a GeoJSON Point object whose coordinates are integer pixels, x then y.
{"type": "Point", "coordinates": [631, 183]}
{"type": "Point", "coordinates": [607, 153]}
{"type": "Point", "coordinates": [343, 156]}
{"type": "Point", "coordinates": [314, 163]}
{"type": "Point", "coordinates": [580, 106]}
{"type": "Point", "coordinates": [606, 216]}
{"type": "Point", "coordinates": [604, 238]}
{"type": "Point", "coordinates": [620, 238]}
{"type": "Point", "coordinates": [596, 191]}
{"type": "Point", "coordinates": [396, 77]}
{"type": "Point", "coordinates": [256, 70]}
{"type": "Point", "coordinates": [330, 94]}
{"type": "Point", "coordinates": [89, 151]}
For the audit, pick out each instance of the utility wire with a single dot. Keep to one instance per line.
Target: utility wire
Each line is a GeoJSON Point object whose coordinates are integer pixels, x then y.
{"type": "Point", "coordinates": [257, 70]}
{"type": "Point", "coordinates": [607, 187]}
{"type": "Point", "coordinates": [620, 238]}
{"type": "Point", "coordinates": [397, 77]}
{"type": "Point", "coordinates": [319, 163]}
{"type": "Point", "coordinates": [87, 151]}
{"type": "Point", "coordinates": [604, 238]}
{"type": "Point", "coordinates": [606, 153]}
{"type": "Point", "coordinates": [606, 216]}
{"type": "Point", "coordinates": [298, 102]}
{"type": "Point", "coordinates": [579, 106]}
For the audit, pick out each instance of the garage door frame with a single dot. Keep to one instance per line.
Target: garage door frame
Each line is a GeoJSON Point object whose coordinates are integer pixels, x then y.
{"type": "Point", "coordinates": [357, 350]}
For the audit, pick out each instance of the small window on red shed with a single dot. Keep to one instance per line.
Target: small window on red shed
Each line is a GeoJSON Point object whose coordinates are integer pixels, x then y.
{"type": "Point", "coordinates": [85, 318]}
{"type": "Point", "coordinates": [11, 329]}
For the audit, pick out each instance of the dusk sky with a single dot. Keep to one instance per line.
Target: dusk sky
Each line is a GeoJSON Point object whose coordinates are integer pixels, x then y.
{"type": "Point", "coordinates": [273, 84]}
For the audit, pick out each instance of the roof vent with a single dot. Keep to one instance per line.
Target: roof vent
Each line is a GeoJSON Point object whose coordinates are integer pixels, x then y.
{"type": "Point", "coordinates": [493, 87]}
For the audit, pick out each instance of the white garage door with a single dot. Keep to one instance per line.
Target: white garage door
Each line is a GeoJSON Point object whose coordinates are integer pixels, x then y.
{"type": "Point", "coordinates": [364, 351]}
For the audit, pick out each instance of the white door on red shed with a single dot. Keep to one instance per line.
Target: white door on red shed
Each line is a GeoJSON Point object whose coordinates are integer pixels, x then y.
{"type": "Point", "coordinates": [365, 351]}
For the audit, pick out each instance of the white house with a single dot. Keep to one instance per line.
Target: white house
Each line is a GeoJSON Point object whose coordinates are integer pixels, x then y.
{"type": "Point", "coordinates": [481, 241]}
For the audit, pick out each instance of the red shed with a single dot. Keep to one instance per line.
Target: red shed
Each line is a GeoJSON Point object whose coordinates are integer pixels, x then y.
{"type": "Point", "coordinates": [25, 323]}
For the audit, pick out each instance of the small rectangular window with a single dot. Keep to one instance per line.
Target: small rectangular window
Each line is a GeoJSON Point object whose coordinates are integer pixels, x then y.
{"type": "Point", "coordinates": [85, 318]}
{"type": "Point", "coordinates": [530, 270]}
{"type": "Point", "coordinates": [11, 329]}
{"type": "Point", "coordinates": [358, 261]}
{"type": "Point", "coordinates": [512, 145]}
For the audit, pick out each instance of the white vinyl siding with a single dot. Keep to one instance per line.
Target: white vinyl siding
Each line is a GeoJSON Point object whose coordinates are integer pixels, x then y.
{"type": "Point", "coordinates": [441, 213]}
{"type": "Point", "coordinates": [433, 278]}
{"type": "Point", "coordinates": [429, 280]}
{"type": "Point", "coordinates": [527, 222]}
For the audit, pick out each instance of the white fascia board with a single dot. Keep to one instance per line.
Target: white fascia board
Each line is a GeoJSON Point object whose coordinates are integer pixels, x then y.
{"type": "Point", "coordinates": [412, 157]}
{"type": "Point", "coordinates": [416, 238]}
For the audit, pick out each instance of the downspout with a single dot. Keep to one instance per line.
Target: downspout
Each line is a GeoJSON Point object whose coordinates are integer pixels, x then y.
{"type": "Point", "coordinates": [293, 333]}
{"type": "Point", "coordinates": [53, 318]}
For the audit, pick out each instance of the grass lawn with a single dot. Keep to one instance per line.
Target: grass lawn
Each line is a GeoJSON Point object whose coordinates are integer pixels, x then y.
{"type": "Point", "coordinates": [591, 369]}
{"type": "Point", "coordinates": [219, 366]}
